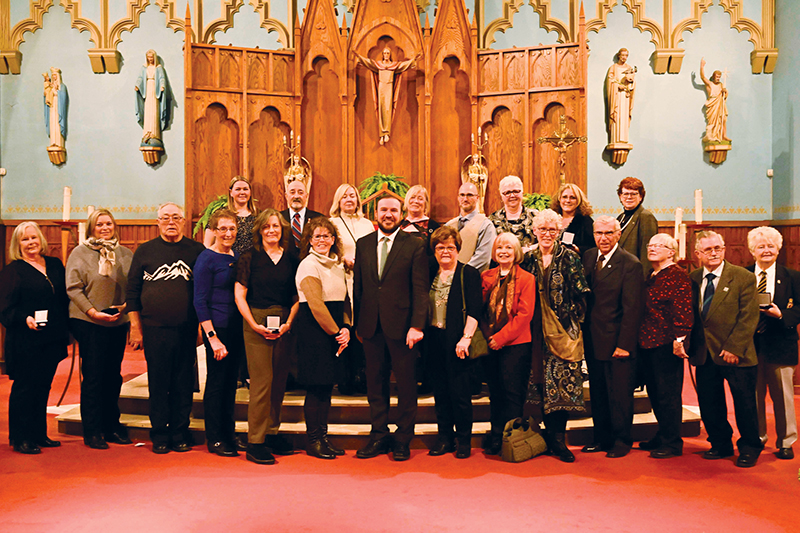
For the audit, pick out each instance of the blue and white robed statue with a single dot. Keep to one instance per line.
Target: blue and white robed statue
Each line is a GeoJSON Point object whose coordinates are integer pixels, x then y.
{"type": "Point", "coordinates": [152, 107]}
{"type": "Point", "coordinates": [56, 103]}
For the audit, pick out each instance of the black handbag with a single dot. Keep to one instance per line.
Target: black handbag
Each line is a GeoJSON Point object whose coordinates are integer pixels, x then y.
{"type": "Point", "coordinates": [478, 347]}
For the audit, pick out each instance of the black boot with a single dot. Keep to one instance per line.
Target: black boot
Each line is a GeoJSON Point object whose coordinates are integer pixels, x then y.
{"type": "Point", "coordinates": [324, 437]}
{"type": "Point", "coordinates": [558, 448]}
{"type": "Point", "coordinates": [316, 447]}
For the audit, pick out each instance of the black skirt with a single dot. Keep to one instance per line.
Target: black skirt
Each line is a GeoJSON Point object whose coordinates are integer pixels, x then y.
{"type": "Point", "coordinates": [317, 363]}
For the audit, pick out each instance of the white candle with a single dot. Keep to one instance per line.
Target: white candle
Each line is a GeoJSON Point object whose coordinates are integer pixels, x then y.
{"type": "Point", "coordinates": [682, 242]}
{"type": "Point", "coordinates": [698, 206]}
{"type": "Point", "coordinates": [89, 210]}
{"type": "Point", "coordinates": [284, 139]}
{"type": "Point", "coordinates": [678, 221]}
{"type": "Point", "coordinates": [66, 206]}
{"type": "Point", "coordinates": [298, 139]}
{"type": "Point", "coordinates": [479, 134]}
{"type": "Point", "coordinates": [81, 232]}
{"type": "Point", "coordinates": [472, 136]}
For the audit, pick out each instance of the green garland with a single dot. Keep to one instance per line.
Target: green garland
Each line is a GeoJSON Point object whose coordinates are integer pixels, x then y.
{"type": "Point", "coordinates": [218, 203]}
{"type": "Point", "coordinates": [536, 201]}
{"type": "Point", "coordinates": [374, 183]}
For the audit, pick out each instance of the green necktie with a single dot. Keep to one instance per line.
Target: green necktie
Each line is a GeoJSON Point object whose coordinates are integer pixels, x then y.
{"type": "Point", "coordinates": [382, 257]}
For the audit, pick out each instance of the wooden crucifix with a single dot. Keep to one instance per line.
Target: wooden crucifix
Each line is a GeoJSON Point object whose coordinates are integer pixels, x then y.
{"type": "Point", "coordinates": [561, 141]}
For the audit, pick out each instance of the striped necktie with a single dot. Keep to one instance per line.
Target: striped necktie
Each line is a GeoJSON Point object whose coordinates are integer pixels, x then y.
{"type": "Point", "coordinates": [762, 283]}
{"type": "Point", "coordinates": [762, 289]}
{"type": "Point", "coordinates": [296, 232]}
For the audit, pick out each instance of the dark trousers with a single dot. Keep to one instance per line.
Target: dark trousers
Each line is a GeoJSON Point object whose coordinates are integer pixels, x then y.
{"type": "Point", "coordinates": [663, 376]}
{"type": "Point", "coordinates": [101, 349]}
{"type": "Point", "coordinates": [353, 378]}
{"type": "Point", "coordinates": [170, 354]}
{"type": "Point", "coordinates": [316, 407]}
{"type": "Point", "coordinates": [384, 355]}
{"type": "Point", "coordinates": [507, 371]}
{"type": "Point", "coordinates": [219, 398]}
{"type": "Point", "coordinates": [714, 409]}
{"type": "Point", "coordinates": [27, 403]}
{"type": "Point", "coordinates": [451, 380]}
{"type": "Point", "coordinates": [611, 385]}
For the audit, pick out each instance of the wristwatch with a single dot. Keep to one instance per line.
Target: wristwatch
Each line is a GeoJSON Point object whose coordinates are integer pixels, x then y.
{"type": "Point", "coordinates": [211, 333]}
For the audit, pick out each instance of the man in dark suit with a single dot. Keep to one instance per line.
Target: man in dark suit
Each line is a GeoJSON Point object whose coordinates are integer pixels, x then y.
{"type": "Point", "coordinates": [722, 349]}
{"type": "Point", "coordinates": [638, 224]}
{"type": "Point", "coordinates": [390, 289]}
{"type": "Point", "coordinates": [776, 337]}
{"type": "Point", "coordinates": [611, 337]}
{"type": "Point", "coordinates": [297, 214]}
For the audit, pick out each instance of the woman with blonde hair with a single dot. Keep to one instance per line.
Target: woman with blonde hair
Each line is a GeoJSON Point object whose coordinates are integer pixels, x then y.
{"type": "Point", "coordinates": [241, 202]}
{"type": "Point", "coordinates": [33, 308]}
{"type": "Point", "coordinates": [97, 278]}
{"type": "Point", "coordinates": [417, 222]}
{"type": "Point", "coordinates": [576, 217]}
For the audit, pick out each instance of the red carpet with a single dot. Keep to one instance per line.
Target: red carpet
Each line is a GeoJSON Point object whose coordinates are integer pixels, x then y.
{"type": "Point", "coordinates": [128, 488]}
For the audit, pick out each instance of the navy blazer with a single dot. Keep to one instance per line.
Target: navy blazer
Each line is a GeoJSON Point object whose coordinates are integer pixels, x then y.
{"type": "Point", "coordinates": [778, 344]}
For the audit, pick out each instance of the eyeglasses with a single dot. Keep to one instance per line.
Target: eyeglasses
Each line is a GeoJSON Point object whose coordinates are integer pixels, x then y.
{"type": "Point", "coordinates": [513, 192]}
{"type": "Point", "coordinates": [548, 231]}
{"type": "Point", "coordinates": [656, 246]}
{"type": "Point", "coordinates": [168, 218]}
{"type": "Point", "coordinates": [327, 237]}
{"type": "Point", "coordinates": [715, 250]}
{"type": "Point", "coordinates": [231, 229]}
{"type": "Point", "coordinates": [466, 195]}
{"type": "Point", "coordinates": [629, 194]}
{"type": "Point", "coordinates": [441, 249]}
{"type": "Point", "coordinates": [605, 233]}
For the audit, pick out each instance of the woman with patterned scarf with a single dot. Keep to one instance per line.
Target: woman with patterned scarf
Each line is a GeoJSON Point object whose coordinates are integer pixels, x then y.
{"type": "Point", "coordinates": [556, 382]}
{"type": "Point", "coordinates": [509, 294]}
{"type": "Point", "coordinates": [97, 277]}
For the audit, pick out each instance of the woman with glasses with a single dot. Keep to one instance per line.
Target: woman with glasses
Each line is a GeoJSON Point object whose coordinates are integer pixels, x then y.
{"type": "Point", "coordinates": [221, 324]}
{"type": "Point", "coordinates": [514, 217]}
{"type": "Point", "coordinates": [576, 217]}
{"type": "Point", "coordinates": [668, 319]}
{"type": "Point", "coordinates": [556, 382]}
{"type": "Point", "coordinates": [638, 224]}
{"type": "Point", "coordinates": [454, 309]}
{"type": "Point", "coordinates": [509, 295]}
{"type": "Point", "coordinates": [322, 290]}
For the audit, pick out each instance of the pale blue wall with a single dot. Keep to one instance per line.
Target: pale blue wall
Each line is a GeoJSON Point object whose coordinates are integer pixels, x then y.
{"type": "Point", "coordinates": [786, 101]}
{"type": "Point", "coordinates": [105, 167]}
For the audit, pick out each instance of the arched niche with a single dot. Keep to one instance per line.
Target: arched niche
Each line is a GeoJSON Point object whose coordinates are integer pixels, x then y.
{"type": "Point", "coordinates": [267, 157]}
{"type": "Point", "coordinates": [217, 154]}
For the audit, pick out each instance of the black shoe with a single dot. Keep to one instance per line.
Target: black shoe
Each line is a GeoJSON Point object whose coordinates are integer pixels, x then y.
{"type": "Point", "coordinates": [160, 448]}
{"type": "Point", "coordinates": [96, 442]}
{"type": "Point", "coordinates": [441, 447]}
{"type": "Point", "coordinates": [401, 452]}
{"type": "Point", "coordinates": [279, 445]}
{"type": "Point", "coordinates": [463, 450]}
{"type": "Point", "coordinates": [650, 445]}
{"type": "Point", "coordinates": [618, 451]}
{"type": "Point", "coordinates": [49, 443]}
{"type": "Point", "coordinates": [241, 442]}
{"type": "Point", "coordinates": [493, 444]}
{"type": "Point", "coordinates": [316, 448]}
{"type": "Point", "coordinates": [336, 450]}
{"type": "Point", "coordinates": [119, 437]}
{"type": "Point", "coordinates": [26, 447]}
{"type": "Point", "coordinates": [717, 453]}
{"type": "Point", "coordinates": [595, 447]}
{"type": "Point", "coordinates": [747, 460]}
{"type": "Point", "coordinates": [785, 453]}
{"type": "Point", "coordinates": [665, 453]}
{"type": "Point", "coordinates": [260, 454]}
{"type": "Point", "coordinates": [374, 448]}
{"type": "Point", "coordinates": [559, 448]}
{"type": "Point", "coordinates": [181, 447]}
{"type": "Point", "coordinates": [223, 449]}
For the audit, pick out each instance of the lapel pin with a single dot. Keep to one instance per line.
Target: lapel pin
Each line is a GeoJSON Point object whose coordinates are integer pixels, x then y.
{"type": "Point", "coordinates": [725, 289]}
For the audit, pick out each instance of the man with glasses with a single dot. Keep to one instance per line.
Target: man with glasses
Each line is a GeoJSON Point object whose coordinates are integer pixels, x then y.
{"type": "Point", "coordinates": [297, 212]}
{"type": "Point", "coordinates": [638, 224]}
{"type": "Point", "coordinates": [163, 321]}
{"type": "Point", "coordinates": [476, 230]}
{"type": "Point", "coordinates": [514, 217]}
{"type": "Point", "coordinates": [611, 332]}
{"type": "Point", "coordinates": [721, 347]}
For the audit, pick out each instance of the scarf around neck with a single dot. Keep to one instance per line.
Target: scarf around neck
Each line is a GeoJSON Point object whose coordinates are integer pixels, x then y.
{"type": "Point", "coordinates": [108, 258]}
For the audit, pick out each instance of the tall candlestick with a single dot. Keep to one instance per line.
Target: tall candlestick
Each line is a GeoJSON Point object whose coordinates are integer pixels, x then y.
{"type": "Point", "coordinates": [472, 136]}
{"type": "Point", "coordinates": [479, 134]}
{"type": "Point", "coordinates": [678, 221]}
{"type": "Point", "coordinates": [66, 206]}
{"type": "Point", "coordinates": [698, 206]}
{"type": "Point", "coordinates": [682, 242]}
{"type": "Point", "coordinates": [81, 232]}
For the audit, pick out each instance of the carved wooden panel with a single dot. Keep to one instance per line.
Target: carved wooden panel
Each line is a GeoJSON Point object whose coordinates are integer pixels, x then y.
{"type": "Point", "coordinates": [504, 153]}
{"type": "Point", "coordinates": [542, 68]}
{"type": "Point", "coordinates": [322, 120]}
{"type": "Point", "coordinates": [451, 113]}
{"type": "Point", "coordinates": [282, 73]}
{"type": "Point", "coordinates": [203, 67]}
{"type": "Point", "coordinates": [266, 157]}
{"type": "Point", "coordinates": [515, 72]}
{"type": "Point", "coordinates": [217, 154]}
{"type": "Point", "coordinates": [568, 66]}
{"type": "Point", "coordinates": [257, 68]}
{"type": "Point", "coordinates": [489, 73]}
{"type": "Point", "coordinates": [230, 69]}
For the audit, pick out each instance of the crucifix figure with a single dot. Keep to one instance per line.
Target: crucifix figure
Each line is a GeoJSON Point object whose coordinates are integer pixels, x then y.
{"type": "Point", "coordinates": [561, 141]}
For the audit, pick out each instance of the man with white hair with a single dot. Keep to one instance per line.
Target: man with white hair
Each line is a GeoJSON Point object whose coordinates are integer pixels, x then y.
{"type": "Point", "coordinates": [163, 321]}
{"type": "Point", "coordinates": [514, 217]}
{"type": "Point", "coordinates": [776, 337]}
{"type": "Point", "coordinates": [477, 232]}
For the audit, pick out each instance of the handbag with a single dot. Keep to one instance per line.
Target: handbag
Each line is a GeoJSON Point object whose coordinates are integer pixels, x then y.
{"type": "Point", "coordinates": [478, 347]}
{"type": "Point", "coordinates": [522, 441]}
{"type": "Point", "coordinates": [558, 340]}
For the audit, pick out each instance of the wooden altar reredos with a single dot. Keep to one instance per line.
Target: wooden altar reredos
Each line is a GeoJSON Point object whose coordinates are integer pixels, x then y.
{"type": "Point", "coordinates": [241, 102]}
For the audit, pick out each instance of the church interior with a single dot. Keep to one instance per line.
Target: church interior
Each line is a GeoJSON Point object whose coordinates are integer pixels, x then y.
{"type": "Point", "coordinates": [257, 87]}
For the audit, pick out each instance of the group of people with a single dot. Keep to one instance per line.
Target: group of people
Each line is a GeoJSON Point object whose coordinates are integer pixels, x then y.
{"type": "Point", "coordinates": [337, 300]}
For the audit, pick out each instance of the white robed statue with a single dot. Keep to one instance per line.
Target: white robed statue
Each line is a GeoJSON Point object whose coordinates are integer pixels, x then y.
{"type": "Point", "coordinates": [716, 106]}
{"type": "Point", "coordinates": [56, 102]}
{"type": "Point", "coordinates": [152, 101]}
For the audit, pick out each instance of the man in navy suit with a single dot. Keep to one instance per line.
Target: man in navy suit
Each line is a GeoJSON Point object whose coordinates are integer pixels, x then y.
{"type": "Point", "coordinates": [611, 337]}
{"type": "Point", "coordinates": [390, 289]}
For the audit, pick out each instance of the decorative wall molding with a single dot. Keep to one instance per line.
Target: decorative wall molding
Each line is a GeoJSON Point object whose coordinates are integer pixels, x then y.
{"type": "Point", "coordinates": [510, 7]}
{"type": "Point", "coordinates": [106, 36]}
{"type": "Point", "coordinates": [765, 55]}
{"type": "Point", "coordinates": [11, 39]}
{"type": "Point", "coordinates": [688, 211]}
{"type": "Point", "coordinates": [270, 24]}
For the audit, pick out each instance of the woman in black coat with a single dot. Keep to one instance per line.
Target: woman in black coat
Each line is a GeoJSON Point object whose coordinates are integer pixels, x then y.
{"type": "Point", "coordinates": [32, 283]}
{"type": "Point", "coordinates": [448, 337]}
{"type": "Point", "coordinates": [576, 215]}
